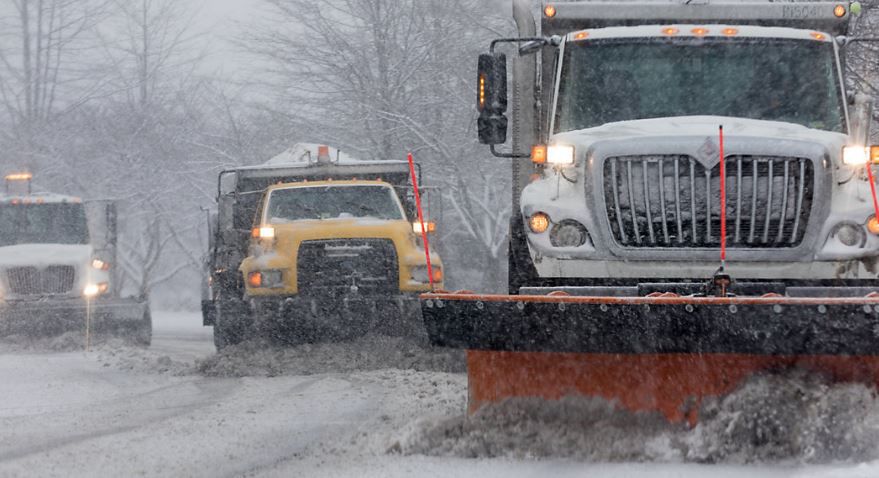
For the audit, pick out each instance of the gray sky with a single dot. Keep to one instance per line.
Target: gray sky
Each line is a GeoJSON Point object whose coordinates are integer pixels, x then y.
{"type": "Point", "coordinates": [222, 21]}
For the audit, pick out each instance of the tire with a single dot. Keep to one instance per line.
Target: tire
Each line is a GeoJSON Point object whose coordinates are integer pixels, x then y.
{"type": "Point", "coordinates": [143, 331]}
{"type": "Point", "coordinates": [231, 326]}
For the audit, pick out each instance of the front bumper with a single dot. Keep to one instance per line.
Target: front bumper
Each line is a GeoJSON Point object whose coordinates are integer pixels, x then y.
{"type": "Point", "coordinates": [67, 314]}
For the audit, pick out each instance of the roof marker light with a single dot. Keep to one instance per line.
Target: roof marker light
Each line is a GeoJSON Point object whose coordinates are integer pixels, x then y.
{"type": "Point", "coordinates": [549, 11]}
{"type": "Point", "coordinates": [670, 31]}
{"type": "Point", "coordinates": [581, 35]}
{"type": "Point", "coordinates": [19, 177]}
{"type": "Point", "coordinates": [729, 32]}
{"type": "Point", "coordinates": [818, 35]}
{"type": "Point", "coordinates": [699, 32]}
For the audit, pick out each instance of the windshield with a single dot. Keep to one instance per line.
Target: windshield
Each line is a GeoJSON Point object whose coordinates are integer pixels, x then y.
{"type": "Point", "coordinates": [780, 80]}
{"type": "Point", "coordinates": [332, 202]}
{"type": "Point", "coordinates": [53, 223]}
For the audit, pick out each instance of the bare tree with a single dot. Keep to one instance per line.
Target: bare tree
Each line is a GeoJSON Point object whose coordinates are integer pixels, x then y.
{"type": "Point", "coordinates": [385, 77]}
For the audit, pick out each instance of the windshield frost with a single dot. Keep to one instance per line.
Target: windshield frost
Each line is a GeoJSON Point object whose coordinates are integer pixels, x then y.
{"type": "Point", "coordinates": [780, 80]}
{"type": "Point", "coordinates": [43, 224]}
{"type": "Point", "coordinates": [331, 202]}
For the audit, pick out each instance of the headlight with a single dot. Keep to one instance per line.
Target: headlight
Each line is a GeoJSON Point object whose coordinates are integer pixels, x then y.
{"type": "Point", "coordinates": [560, 155]}
{"type": "Point", "coordinates": [94, 290]}
{"type": "Point", "coordinates": [264, 232]}
{"type": "Point", "coordinates": [270, 279]}
{"type": "Point", "coordinates": [568, 234]}
{"type": "Point", "coordinates": [854, 155]}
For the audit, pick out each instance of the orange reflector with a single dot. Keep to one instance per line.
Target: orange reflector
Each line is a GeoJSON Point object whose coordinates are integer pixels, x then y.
{"type": "Point", "coordinates": [874, 154]}
{"type": "Point", "coordinates": [538, 154]}
{"type": "Point", "coordinates": [254, 233]}
{"type": "Point", "coordinates": [539, 222]}
{"type": "Point", "coordinates": [670, 31]}
{"type": "Point", "coordinates": [873, 226]}
{"type": "Point", "coordinates": [549, 11]}
{"type": "Point", "coordinates": [699, 32]}
{"type": "Point", "coordinates": [818, 35]}
{"type": "Point", "coordinates": [481, 92]}
{"type": "Point", "coordinates": [254, 279]}
{"type": "Point", "coordinates": [437, 274]}
{"type": "Point", "coordinates": [581, 35]}
{"type": "Point", "coordinates": [839, 11]}
{"type": "Point", "coordinates": [729, 32]}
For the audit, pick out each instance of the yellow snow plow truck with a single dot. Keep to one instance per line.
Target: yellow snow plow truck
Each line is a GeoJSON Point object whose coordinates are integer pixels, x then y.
{"type": "Point", "coordinates": [332, 252]}
{"type": "Point", "coordinates": [695, 203]}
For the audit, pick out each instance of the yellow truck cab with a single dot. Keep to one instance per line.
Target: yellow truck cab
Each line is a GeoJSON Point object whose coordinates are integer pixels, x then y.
{"type": "Point", "coordinates": [337, 258]}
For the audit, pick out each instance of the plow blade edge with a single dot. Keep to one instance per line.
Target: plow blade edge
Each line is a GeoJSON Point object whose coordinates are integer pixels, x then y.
{"type": "Point", "coordinates": [645, 325]}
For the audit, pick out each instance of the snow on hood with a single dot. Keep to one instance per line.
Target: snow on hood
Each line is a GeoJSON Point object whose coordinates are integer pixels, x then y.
{"type": "Point", "coordinates": [701, 126]}
{"type": "Point", "coordinates": [43, 255]}
{"type": "Point", "coordinates": [300, 153]}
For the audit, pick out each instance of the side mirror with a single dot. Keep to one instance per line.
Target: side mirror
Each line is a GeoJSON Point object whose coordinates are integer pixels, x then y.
{"type": "Point", "coordinates": [492, 98]}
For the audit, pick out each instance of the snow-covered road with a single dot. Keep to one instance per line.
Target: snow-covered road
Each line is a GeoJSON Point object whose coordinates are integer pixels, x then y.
{"type": "Point", "coordinates": [177, 410]}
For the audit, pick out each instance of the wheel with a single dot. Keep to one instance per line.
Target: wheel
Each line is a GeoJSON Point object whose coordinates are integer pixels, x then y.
{"type": "Point", "coordinates": [143, 331]}
{"type": "Point", "coordinates": [231, 326]}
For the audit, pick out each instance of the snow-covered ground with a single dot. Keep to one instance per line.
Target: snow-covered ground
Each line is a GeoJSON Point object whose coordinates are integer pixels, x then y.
{"type": "Point", "coordinates": [381, 407]}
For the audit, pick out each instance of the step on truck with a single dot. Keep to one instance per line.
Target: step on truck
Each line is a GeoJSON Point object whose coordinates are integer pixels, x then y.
{"type": "Point", "coordinates": [695, 204]}
{"type": "Point", "coordinates": [316, 245]}
{"type": "Point", "coordinates": [57, 267]}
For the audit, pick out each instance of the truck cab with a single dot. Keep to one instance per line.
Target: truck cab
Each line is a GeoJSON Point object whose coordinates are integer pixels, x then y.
{"type": "Point", "coordinates": [56, 267]}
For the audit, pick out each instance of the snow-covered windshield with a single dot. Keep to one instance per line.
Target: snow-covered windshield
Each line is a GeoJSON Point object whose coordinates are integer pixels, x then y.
{"type": "Point", "coordinates": [47, 223]}
{"type": "Point", "coordinates": [331, 202]}
{"type": "Point", "coordinates": [769, 79]}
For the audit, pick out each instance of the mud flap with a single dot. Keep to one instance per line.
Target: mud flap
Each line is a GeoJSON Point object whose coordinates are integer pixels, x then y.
{"type": "Point", "coordinates": [654, 325]}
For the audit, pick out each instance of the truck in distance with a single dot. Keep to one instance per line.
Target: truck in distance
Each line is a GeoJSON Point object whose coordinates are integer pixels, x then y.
{"type": "Point", "coordinates": [57, 264]}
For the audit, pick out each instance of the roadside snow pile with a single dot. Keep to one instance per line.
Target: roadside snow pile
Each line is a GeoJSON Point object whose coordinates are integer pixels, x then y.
{"type": "Point", "coordinates": [372, 352]}
{"type": "Point", "coordinates": [774, 418]}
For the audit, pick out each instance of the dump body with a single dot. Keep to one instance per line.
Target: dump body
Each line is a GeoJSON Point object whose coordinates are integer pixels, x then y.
{"type": "Point", "coordinates": [615, 256]}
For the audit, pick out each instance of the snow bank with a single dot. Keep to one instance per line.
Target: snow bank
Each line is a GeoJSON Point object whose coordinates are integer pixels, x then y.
{"type": "Point", "coordinates": [790, 418]}
{"type": "Point", "coordinates": [371, 352]}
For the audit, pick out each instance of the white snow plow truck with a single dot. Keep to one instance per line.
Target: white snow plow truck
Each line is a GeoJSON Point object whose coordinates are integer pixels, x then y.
{"type": "Point", "coordinates": [695, 202]}
{"type": "Point", "coordinates": [57, 257]}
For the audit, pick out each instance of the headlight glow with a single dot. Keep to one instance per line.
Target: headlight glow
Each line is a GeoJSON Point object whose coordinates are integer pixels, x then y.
{"type": "Point", "coordinates": [560, 155]}
{"type": "Point", "coordinates": [855, 155]}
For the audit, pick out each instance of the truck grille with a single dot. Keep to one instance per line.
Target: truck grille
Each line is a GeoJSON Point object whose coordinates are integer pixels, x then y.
{"type": "Point", "coordinates": [327, 265]}
{"type": "Point", "coordinates": [34, 281]}
{"type": "Point", "coordinates": [674, 201]}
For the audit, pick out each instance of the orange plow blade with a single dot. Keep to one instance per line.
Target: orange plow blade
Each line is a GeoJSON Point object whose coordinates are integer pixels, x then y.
{"type": "Point", "coordinates": [661, 354]}
{"type": "Point", "coordinates": [673, 385]}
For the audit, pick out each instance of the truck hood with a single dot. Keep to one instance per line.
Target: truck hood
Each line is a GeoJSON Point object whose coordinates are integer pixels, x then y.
{"type": "Point", "coordinates": [43, 255]}
{"type": "Point", "coordinates": [689, 134]}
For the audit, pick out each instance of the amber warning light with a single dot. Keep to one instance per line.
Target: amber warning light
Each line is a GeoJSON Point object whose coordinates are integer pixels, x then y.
{"type": "Point", "coordinates": [19, 177]}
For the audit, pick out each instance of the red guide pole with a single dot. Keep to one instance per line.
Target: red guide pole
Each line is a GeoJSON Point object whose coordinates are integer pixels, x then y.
{"type": "Point", "coordinates": [869, 167]}
{"type": "Point", "coordinates": [421, 219]}
{"type": "Point", "coordinates": [723, 202]}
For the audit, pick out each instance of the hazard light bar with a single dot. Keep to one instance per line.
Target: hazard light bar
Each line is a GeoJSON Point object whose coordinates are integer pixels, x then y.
{"type": "Point", "coordinates": [823, 16]}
